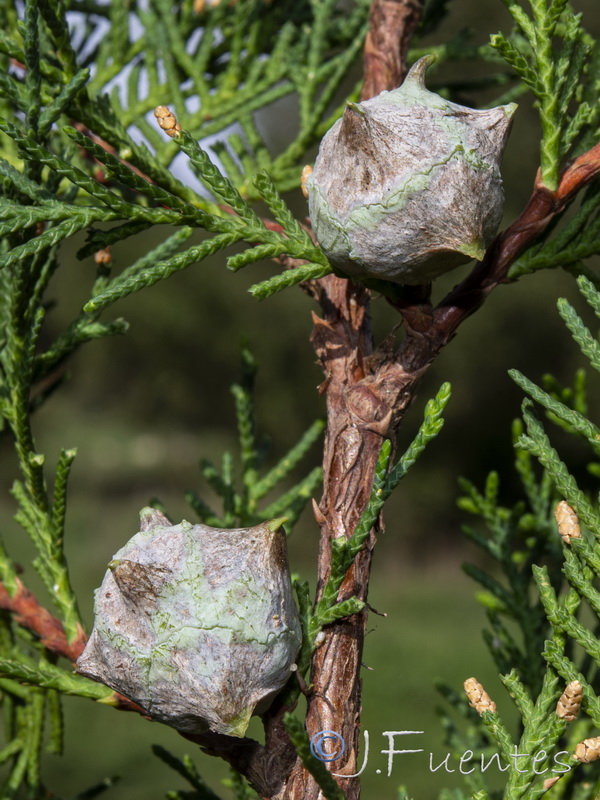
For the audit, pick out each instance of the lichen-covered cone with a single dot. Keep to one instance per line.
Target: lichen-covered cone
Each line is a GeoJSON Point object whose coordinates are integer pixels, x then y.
{"type": "Point", "coordinates": [196, 624]}
{"type": "Point", "coordinates": [407, 185]}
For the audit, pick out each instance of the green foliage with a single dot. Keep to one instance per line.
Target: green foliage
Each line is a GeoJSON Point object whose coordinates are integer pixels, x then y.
{"type": "Point", "coordinates": [186, 769]}
{"type": "Point", "coordinates": [240, 508]}
{"type": "Point", "coordinates": [558, 75]}
{"type": "Point", "coordinates": [571, 246]}
{"type": "Point", "coordinates": [539, 642]}
{"type": "Point", "coordinates": [82, 158]}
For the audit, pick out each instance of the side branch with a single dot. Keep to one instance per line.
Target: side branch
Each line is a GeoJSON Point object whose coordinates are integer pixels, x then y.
{"type": "Point", "coordinates": [417, 351]}
{"type": "Point", "coordinates": [28, 613]}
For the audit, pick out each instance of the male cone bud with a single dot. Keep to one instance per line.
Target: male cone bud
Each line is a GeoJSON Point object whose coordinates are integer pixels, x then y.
{"type": "Point", "coordinates": [407, 185]}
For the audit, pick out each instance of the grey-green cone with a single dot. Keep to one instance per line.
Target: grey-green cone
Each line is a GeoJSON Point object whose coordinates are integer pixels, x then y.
{"type": "Point", "coordinates": [407, 185]}
{"type": "Point", "coordinates": [196, 624]}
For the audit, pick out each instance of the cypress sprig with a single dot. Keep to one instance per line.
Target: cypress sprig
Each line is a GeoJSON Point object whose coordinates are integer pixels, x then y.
{"type": "Point", "coordinates": [21, 184]}
{"type": "Point", "coordinates": [98, 240]}
{"type": "Point", "coordinates": [204, 512]}
{"type": "Point", "coordinates": [84, 329]}
{"type": "Point", "coordinates": [563, 620]}
{"type": "Point", "coordinates": [501, 594]}
{"type": "Point", "coordinates": [143, 278]}
{"type": "Point", "coordinates": [35, 724]}
{"type": "Point", "coordinates": [537, 491]}
{"type": "Point", "coordinates": [56, 719]}
{"type": "Point", "coordinates": [258, 253]}
{"type": "Point", "coordinates": [54, 14]}
{"type": "Point", "coordinates": [576, 421]}
{"type": "Point", "coordinates": [241, 507]}
{"type": "Point", "coordinates": [520, 695]}
{"type": "Point", "coordinates": [40, 155]}
{"type": "Point", "coordinates": [282, 469]}
{"type": "Point", "coordinates": [51, 677]}
{"type": "Point", "coordinates": [537, 443]}
{"type": "Point", "coordinates": [587, 342]}
{"type": "Point", "coordinates": [292, 503]}
{"type": "Point", "coordinates": [581, 580]}
{"type": "Point", "coordinates": [243, 394]}
{"type": "Point", "coordinates": [284, 280]}
{"type": "Point", "coordinates": [268, 192]}
{"type": "Point", "coordinates": [48, 239]}
{"type": "Point", "coordinates": [185, 767]}
{"type": "Point", "coordinates": [59, 502]}
{"type": "Point", "coordinates": [33, 79]}
{"type": "Point", "coordinates": [63, 100]}
{"type": "Point", "coordinates": [341, 610]}
{"type": "Point", "coordinates": [553, 75]}
{"type": "Point", "coordinates": [123, 174]}
{"type": "Point", "coordinates": [215, 181]}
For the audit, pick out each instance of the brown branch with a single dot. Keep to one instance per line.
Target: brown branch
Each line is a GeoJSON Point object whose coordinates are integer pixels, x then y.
{"type": "Point", "coordinates": [29, 614]}
{"type": "Point", "coordinates": [357, 420]}
{"type": "Point", "coordinates": [391, 27]}
{"type": "Point", "coordinates": [368, 394]}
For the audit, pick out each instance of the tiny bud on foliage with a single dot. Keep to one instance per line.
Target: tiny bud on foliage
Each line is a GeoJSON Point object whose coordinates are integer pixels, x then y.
{"type": "Point", "coordinates": [568, 523]}
{"type": "Point", "coordinates": [570, 701]}
{"type": "Point", "coordinates": [588, 750]}
{"type": "Point", "coordinates": [103, 256]}
{"type": "Point", "coordinates": [304, 177]}
{"type": "Point", "coordinates": [478, 698]}
{"type": "Point", "coordinates": [549, 782]}
{"type": "Point", "coordinates": [167, 121]}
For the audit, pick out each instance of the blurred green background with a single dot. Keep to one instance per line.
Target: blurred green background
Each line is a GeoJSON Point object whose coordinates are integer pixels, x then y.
{"type": "Point", "coordinates": [144, 408]}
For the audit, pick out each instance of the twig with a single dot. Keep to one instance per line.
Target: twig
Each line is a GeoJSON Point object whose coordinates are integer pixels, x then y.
{"type": "Point", "coordinates": [391, 27]}
{"type": "Point", "coordinates": [31, 615]}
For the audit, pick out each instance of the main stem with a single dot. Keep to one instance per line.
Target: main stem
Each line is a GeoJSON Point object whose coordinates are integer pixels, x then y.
{"type": "Point", "coordinates": [358, 418]}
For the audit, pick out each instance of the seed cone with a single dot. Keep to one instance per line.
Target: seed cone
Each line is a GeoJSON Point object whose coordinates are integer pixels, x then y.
{"type": "Point", "coordinates": [407, 185]}
{"type": "Point", "coordinates": [196, 624]}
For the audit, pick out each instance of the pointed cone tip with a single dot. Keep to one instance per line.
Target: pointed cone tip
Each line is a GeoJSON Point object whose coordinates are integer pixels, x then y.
{"type": "Point", "coordinates": [152, 518]}
{"type": "Point", "coordinates": [417, 72]}
{"type": "Point", "coordinates": [276, 524]}
{"type": "Point", "coordinates": [473, 249]}
{"type": "Point", "coordinates": [239, 726]}
{"type": "Point", "coordinates": [355, 110]}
